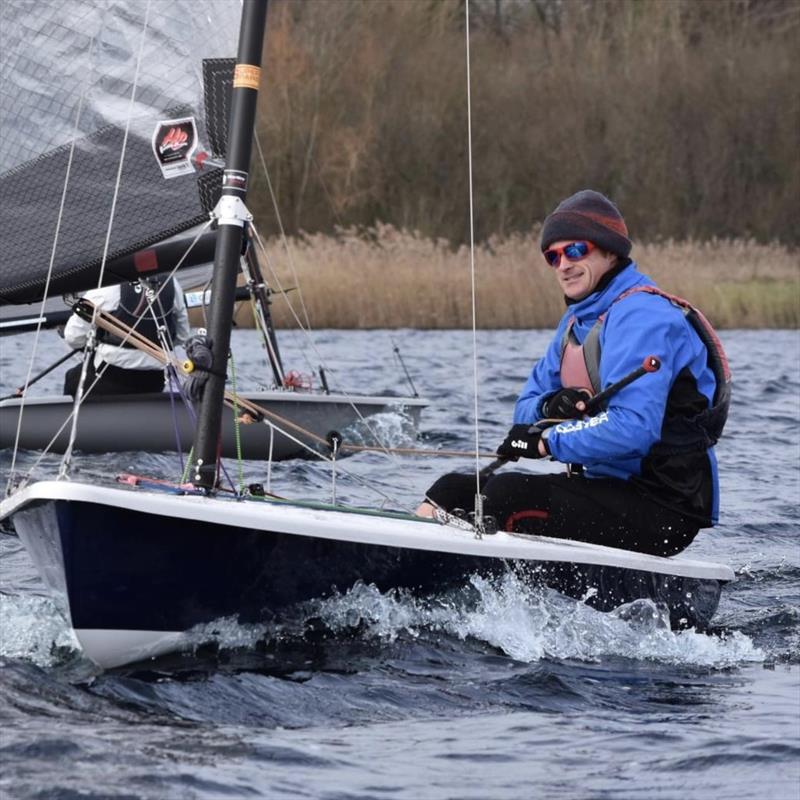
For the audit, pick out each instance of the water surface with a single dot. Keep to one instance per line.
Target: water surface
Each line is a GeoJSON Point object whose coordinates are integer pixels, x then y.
{"type": "Point", "coordinates": [494, 692]}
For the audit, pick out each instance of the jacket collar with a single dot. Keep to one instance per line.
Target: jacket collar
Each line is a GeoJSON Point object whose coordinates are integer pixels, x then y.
{"type": "Point", "coordinates": [598, 302]}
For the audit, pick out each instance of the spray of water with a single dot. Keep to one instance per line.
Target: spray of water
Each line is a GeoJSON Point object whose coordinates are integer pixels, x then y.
{"type": "Point", "coordinates": [527, 624]}
{"type": "Point", "coordinates": [532, 624]}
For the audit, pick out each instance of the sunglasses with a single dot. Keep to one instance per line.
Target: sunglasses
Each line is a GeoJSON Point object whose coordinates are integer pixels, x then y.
{"type": "Point", "coordinates": [574, 251]}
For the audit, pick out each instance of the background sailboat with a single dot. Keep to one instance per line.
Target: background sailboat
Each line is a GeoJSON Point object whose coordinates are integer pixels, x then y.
{"type": "Point", "coordinates": [87, 103]}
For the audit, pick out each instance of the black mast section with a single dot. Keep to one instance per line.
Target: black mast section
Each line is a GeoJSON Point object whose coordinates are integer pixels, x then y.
{"type": "Point", "coordinates": [231, 217]}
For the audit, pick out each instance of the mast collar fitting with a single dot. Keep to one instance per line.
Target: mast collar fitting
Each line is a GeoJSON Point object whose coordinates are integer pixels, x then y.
{"type": "Point", "coordinates": [231, 210]}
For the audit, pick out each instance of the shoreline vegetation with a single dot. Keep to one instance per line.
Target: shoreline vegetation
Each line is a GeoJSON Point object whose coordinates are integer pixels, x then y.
{"type": "Point", "coordinates": [387, 278]}
{"type": "Point", "coordinates": [684, 113]}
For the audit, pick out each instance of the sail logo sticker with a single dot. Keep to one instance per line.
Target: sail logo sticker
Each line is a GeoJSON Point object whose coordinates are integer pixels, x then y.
{"type": "Point", "coordinates": [174, 142]}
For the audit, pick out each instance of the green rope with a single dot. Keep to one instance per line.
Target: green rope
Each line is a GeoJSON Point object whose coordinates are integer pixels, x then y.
{"type": "Point", "coordinates": [236, 432]}
{"type": "Point", "coordinates": [185, 476]}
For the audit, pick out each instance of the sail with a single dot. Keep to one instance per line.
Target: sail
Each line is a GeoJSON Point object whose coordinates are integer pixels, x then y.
{"type": "Point", "coordinates": [90, 94]}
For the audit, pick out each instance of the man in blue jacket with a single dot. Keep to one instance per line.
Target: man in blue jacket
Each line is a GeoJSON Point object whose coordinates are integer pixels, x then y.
{"type": "Point", "coordinates": [642, 474]}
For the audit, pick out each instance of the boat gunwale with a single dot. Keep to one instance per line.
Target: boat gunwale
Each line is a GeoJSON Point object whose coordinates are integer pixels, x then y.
{"type": "Point", "coordinates": [355, 525]}
{"type": "Point", "coordinates": [389, 401]}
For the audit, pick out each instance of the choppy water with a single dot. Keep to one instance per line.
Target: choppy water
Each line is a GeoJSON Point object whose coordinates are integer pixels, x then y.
{"type": "Point", "coordinates": [495, 692]}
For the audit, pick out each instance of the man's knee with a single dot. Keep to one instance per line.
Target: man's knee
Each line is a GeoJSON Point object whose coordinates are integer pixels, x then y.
{"type": "Point", "coordinates": [453, 490]}
{"type": "Point", "coordinates": [518, 502]}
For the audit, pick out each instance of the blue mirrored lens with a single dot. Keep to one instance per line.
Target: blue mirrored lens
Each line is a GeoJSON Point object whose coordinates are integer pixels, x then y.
{"type": "Point", "coordinates": [576, 250]}
{"type": "Point", "coordinates": [552, 257]}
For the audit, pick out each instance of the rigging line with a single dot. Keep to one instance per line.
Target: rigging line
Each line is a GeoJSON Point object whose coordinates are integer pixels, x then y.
{"type": "Point", "coordinates": [135, 85]}
{"type": "Point", "coordinates": [112, 325]}
{"type": "Point", "coordinates": [66, 459]}
{"type": "Point", "coordinates": [306, 330]}
{"type": "Point", "coordinates": [69, 418]}
{"type": "Point", "coordinates": [350, 400]}
{"type": "Point", "coordinates": [478, 522]}
{"type": "Point", "coordinates": [258, 314]}
{"type": "Point", "coordinates": [34, 349]}
{"type": "Point", "coordinates": [109, 323]}
{"type": "Point", "coordinates": [284, 239]}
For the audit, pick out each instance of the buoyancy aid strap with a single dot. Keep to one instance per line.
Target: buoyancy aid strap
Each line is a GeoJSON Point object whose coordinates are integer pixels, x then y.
{"type": "Point", "coordinates": [591, 353]}
{"type": "Point", "coordinates": [580, 363]}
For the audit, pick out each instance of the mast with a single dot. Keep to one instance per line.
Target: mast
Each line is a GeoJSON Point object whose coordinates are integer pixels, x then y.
{"type": "Point", "coordinates": [231, 218]}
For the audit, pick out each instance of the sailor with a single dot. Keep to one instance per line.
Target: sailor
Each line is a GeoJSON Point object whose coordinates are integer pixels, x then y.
{"type": "Point", "coordinates": [642, 474]}
{"type": "Point", "coordinates": [124, 369]}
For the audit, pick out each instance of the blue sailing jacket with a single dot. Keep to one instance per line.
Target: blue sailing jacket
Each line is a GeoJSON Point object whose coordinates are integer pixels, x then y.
{"type": "Point", "coordinates": [615, 442]}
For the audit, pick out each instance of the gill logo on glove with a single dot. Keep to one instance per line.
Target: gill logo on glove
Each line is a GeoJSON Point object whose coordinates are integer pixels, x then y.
{"type": "Point", "coordinates": [520, 443]}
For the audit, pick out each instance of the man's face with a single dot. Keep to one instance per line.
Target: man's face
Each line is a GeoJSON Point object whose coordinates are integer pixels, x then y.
{"type": "Point", "coordinates": [579, 278]}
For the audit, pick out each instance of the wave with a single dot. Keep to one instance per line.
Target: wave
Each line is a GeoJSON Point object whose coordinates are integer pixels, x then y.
{"type": "Point", "coordinates": [523, 623]}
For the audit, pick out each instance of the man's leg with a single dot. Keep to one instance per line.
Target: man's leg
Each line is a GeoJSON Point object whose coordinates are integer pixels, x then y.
{"type": "Point", "coordinates": [602, 511]}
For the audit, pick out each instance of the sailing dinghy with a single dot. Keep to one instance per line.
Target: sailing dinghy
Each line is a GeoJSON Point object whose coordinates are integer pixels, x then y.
{"type": "Point", "coordinates": [136, 565]}
{"type": "Point", "coordinates": [133, 570]}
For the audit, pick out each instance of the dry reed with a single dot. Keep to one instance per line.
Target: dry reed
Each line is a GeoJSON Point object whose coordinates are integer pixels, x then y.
{"type": "Point", "coordinates": [386, 278]}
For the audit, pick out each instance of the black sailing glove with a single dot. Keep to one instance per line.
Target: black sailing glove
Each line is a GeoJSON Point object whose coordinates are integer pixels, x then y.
{"type": "Point", "coordinates": [562, 404]}
{"type": "Point", "coordinates": [522, 442]}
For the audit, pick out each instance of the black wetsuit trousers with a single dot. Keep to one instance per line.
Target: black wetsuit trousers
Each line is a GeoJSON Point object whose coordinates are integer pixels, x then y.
{"type": "Point", "coordinates": [604, 511]}
{"type": "Point", "coordinates": [115, 380]}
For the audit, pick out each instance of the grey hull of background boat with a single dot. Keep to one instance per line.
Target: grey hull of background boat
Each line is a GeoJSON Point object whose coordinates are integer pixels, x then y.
{"type": "Point", "coordinates": [161, 423]}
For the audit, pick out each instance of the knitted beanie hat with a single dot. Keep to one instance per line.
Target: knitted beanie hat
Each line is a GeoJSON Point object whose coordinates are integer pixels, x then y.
{"type": "Point", "coordinates": [588, 216]}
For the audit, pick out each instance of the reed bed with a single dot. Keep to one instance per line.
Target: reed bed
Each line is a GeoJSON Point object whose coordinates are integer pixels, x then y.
{"type": "Point", "coordinates": [387, 278]}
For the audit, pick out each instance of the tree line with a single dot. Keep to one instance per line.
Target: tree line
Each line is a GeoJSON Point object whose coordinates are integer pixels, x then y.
{"type": "Point", "coordinates": [685, 112]}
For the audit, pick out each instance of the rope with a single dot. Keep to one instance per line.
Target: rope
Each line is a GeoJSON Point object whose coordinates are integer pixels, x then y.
{"type": "Point", "coordinates": [305, 330]}
{"type": "Point", "coordinates": [118, 181]}
{"type": "Point", "coordinates": [88, 353]}
{"type": "Point", "coordinates": [35, 347]}
{"type": "Point", "coordinates": [350, 400]}
{"type": "Point", "coordinates": [284, 239]}
{"type": "Point", "coordinates": [236, 432]}
{"type": "Point", "coordinates": [269, 459]}
{"type": "Point", "coordinates": [65, 461]}
{"type": "Point", "coordinates": [187, 469]}
{"type": "Point", "coordinates": [124, 335]}
{"type": "Point", "coordinates": [478, 501]}
{"type": "Point", "coordinates": [111, 324]}
{"type": "Point", "coordinates": [257, 287]}
{"type": "Point", "coordinates": [174, 385]}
